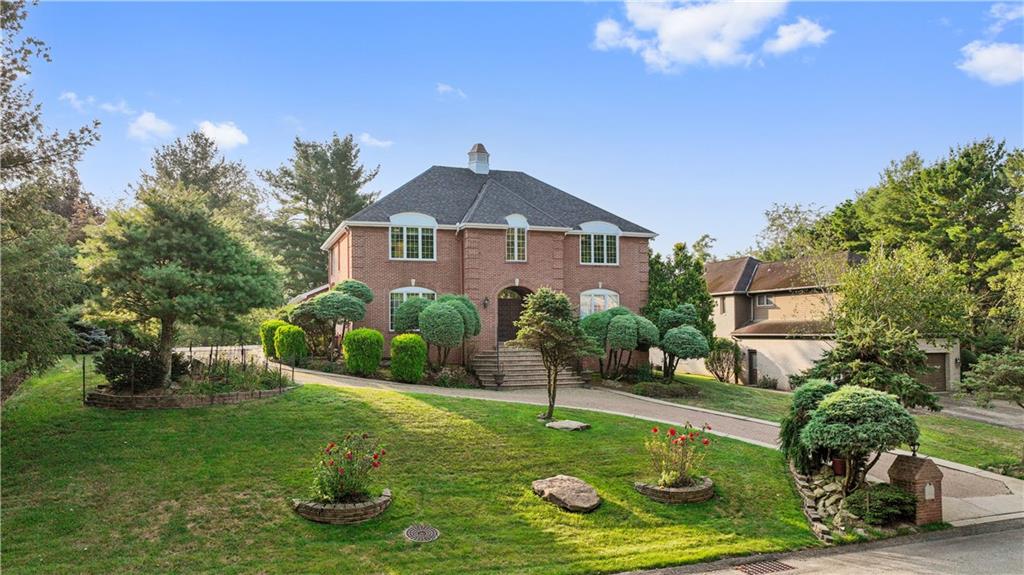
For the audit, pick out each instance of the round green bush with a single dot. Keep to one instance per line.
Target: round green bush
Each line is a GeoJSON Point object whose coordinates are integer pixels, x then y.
{"type": "Point", "coordinates": [622, 332]}
{"type": "Point", "coordinates": [804, 401]}
{"type": "Point", "coordinates": [407, 316]}
{"type": "Point", "coordinates": [882, 504]}
{"type": "Point", "coordinates": [646, 332]}
{"type": "Point", "coordinates": [356, 289]}
{"type": "Point", "coordinates": [470, 315]}
{"type": "Point", "coordinates": [290, 344]}
{"type": "Point", "coordinates": [363, 347]}
{"type": "Point", "coordinates": [441, 324]}
{"type": "Point", "coordinates": [335, 306]}
{"type": "Point", "coordinates": [267, 331]}
{"type": "Point", "coordinates": [408, 357]}
{"type": "Point", "coordinates": [685, 342]}
{"type": "Point", "coordinates": [595, 326]}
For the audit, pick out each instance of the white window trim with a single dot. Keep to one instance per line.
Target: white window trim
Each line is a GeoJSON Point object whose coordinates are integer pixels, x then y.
{"type": "Point", "coordinates": [523, 248]}
{"type": "Point", "coordinates": [405, 243]}
{"type": "Point", "coordinates": [769, 300]}
{"type": "Point", "coordinates": [599, 292]}
{"type": "Point", "coordinates": [406, 292]}
{"type": "Point", "coordinates": [618, 250]}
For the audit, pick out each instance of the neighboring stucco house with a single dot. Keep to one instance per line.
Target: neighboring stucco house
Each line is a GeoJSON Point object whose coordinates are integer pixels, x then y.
{"type": "Point", "coordinates": [494, 235]}
{"type": "Point", "coordinates": [774, 314]}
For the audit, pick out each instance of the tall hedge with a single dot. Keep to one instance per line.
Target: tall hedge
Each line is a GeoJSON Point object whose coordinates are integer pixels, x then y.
{"type": "Point", "coordinates": [290, 344]}
{"type": "Point", "coordinates": [408, 357]}
{"type": "Point", "coordinates": [356, 289]}
{"type": "Point", "coordinates": [267, 331]}
{"type": "Point", "coordinates": [364, 348]}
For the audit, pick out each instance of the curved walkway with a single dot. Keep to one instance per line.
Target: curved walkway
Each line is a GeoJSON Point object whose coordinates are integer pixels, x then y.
{"type": "Point", "coordinates": [969, 495]}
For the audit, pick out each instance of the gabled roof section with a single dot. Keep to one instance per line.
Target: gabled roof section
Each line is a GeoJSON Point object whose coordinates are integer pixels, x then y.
{"type": "Point", "coordinates": [791, 275]}
{"type": "Point", "coordinates": [730, 276]}
{"type": "Point", "coordinates": [496, 201]}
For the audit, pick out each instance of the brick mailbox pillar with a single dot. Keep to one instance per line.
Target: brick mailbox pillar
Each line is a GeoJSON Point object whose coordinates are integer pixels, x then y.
{"type": "Point", "coordinates": [920, 476]}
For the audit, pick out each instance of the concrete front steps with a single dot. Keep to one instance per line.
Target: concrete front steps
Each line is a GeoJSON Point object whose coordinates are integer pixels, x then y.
{"type": "Point", "coordinates": [521, 367]}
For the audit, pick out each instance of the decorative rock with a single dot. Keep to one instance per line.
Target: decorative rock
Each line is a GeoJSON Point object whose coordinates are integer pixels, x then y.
{"type": "Point", "coordinates": [568, 492]}
{"type": "Point", "coordinates": [819, 493]}
{"type": "Point", "coordinates": [693, 494]}
{"type": "Point", "coordinates": [568, 425]}
{"type": "Point", "coordinates": [343, 513]}
{"type": "Point", "coordinates": [831, 487]}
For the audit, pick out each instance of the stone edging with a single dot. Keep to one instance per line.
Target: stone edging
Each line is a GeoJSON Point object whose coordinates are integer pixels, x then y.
{"type": "Point", "coordinates": [822, 531]}
{"type": "Point", "coordinates": [97, 398]}
{"type": "Point", "coordinates": [691, 494]}
{"type": "Point", "coordinates": [343, 513]}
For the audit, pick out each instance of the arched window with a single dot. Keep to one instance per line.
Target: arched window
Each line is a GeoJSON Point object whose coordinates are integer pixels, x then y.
{"type": "Point", "coordinates": [599, 243]}
{"type": "Point", "coordinates": [398, 296]}
{"type": "Point", "coordinates": [515, 238]}
{"type": "Point", "coordinates": [412, 237]}
{"type": "Point", "coordinates": [595, 300]}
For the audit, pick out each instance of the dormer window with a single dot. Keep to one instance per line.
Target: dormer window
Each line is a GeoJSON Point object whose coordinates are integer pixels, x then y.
{"type": "Point", "coordinates": [412, 237]}
{"type": "Point", "coordinates": [515, 239]}
{"type": "Point", "coordinates": [599, 244]}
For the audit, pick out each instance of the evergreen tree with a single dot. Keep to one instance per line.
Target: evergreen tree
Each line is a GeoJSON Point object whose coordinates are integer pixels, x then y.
{"type": "Point", "coordinates": [678, 280]}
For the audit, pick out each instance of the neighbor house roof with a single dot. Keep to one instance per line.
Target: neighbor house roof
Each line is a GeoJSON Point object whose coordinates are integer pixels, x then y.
{"type": "Point", "coordinates": [730, 276]}
{"type": "Point", "coordinates": [750, 275]}
{"type": "Point", "coordinates": [784, 328]}
{"type": "Point", "coordinates": [459, 197]}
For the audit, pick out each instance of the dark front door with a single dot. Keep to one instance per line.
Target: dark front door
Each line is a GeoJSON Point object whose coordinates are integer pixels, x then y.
{"type": "Point", "coordinates": [935, 377]}
{"type": "Point", "coordinates": [510, 305]}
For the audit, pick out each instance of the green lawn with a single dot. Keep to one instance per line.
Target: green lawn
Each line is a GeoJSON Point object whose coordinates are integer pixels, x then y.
{"type": "Point", "coordinates": [93, 491]}
{"type": "Point", "coordinates": [969, 442]}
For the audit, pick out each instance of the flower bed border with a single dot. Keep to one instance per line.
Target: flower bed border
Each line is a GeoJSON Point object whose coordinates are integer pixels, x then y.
{"type": "Point", "coordinates": [105, 400]}
{"type": "Point", "coordinates": [343, 513]}
{"type": "Point", "coordinates": [674, 495]}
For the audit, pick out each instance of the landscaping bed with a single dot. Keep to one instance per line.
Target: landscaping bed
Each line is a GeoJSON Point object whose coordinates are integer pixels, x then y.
{"type": "Point", "coordinates": [97, 491]}
{"type": "Point", "coordinates": [103, 397]}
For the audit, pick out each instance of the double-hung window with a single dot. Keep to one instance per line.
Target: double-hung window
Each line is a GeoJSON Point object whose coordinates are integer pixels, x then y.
{"type": "Point", "coordinates": [412, 243]}
{"type": "Point", "coordinates": [400, 295]}
{"type": "Point", "coordinates": [599, 249]}
{"type": "Point", "coordinates": [515, 245]}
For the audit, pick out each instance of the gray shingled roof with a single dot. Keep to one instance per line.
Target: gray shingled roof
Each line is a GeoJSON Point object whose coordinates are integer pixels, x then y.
{"type": "Point", "coordinates": [459, 196]}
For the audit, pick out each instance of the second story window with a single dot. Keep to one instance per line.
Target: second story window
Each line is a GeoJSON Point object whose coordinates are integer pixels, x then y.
{"type": "Point", "coordinates": [515, 245]}
{"type": "Point", "coordinates": [599, 249]}
{"type": "Point", "coordinates": [412, 243]}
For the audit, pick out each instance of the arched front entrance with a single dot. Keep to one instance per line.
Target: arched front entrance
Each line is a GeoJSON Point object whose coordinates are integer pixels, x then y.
{"type": "Point", "coordinates": [510, 305]}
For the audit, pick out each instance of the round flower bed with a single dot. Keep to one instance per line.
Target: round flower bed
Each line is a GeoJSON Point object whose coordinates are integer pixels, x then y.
{"type": "Point", "coordinates": [343, 513]}
{"type": "Point", "coordinates": [702, 491]}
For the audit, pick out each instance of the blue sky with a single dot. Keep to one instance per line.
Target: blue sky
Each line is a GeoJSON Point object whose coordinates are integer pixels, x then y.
{"type": "Point", "coordinates": [687, 119]}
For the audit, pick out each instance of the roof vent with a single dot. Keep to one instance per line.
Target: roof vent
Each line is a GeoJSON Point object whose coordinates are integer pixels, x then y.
{"type": "Point", "coordinates": [479, 159]}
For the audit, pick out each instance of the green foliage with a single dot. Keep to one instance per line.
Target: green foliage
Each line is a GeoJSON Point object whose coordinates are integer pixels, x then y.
{"type": "Point", "coordinates": [622, 333]}
{"type": "Point", "coordinates": [267, 331]}
{"type": "Point", "coordinates": [127, 368]}
{"type": "Point", "coordinates": [320, 187]}
{"type": "Point", "coordinates": [662, 390]}
{"type": "Point", "coordinates": [225, 376]}
{"type": "Point", "coordinates": [676, 280]}
{"type": "Point", "coordinates": [724, 359]}
{"type": "Point", "coordinates": [882, 504]}
{"type": "Point", "coordinates": [290, 344]}
{"type": "Point", "coordinates": [548, 324]}
{"type": "Point", "coordinates": [595, 326]}
{"type": "Point", "coordinates": [452, 376]}
{"type": "Point", "coordinates": [320, 318]}
{"type": "Point", "coordinates": [342, 470]}
{"type": "Point", "coordinates": [356, 289]}
{"type": "Point", "coordinates": [873, 353]}
{"type": "Point", "coordinates": [855, 422]}
{"type": "Point", "coordinates": [996, 376]}
{"type": "Point", "coordinates": [407, 316]}
{"type": "Point", "coordinates": [468, 311]}
{"type": "Point", "coordinates": [442, 324]}
{"type": "Point", "coordinates": [786, 233]}
{"type": "Point", "coordinates": [408, 357]}
{"type": "Point", "coordinates": [804, 401]}
{"type": "Point", "coordinates": [364, 348]}
{"type": "Point", "coordinates": [683, 342]}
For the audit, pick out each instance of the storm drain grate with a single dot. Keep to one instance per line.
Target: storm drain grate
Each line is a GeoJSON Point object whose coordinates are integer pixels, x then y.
{"type": "Point", "coordinates": [762, 567]}
{"type": "Point", "coordinates": [421, 533]}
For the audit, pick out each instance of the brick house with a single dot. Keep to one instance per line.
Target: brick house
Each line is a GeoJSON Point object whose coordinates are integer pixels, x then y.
{"type": "Point", "coordinates": [493, 235]}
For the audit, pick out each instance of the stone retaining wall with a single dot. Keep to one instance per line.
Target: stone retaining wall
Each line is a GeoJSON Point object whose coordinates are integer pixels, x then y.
{"type": "Point", "coordinates": [97, 398]}
{"type": "Point", "coordinates": [692, 494]}
{"type": "Point", "coordinates": [343, 513]}
{"type": "Point", "coordinates": [821, 496]}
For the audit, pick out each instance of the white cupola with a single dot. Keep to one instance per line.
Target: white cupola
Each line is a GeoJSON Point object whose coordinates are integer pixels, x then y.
{"type": "Point", "coordinates": [479, 159]}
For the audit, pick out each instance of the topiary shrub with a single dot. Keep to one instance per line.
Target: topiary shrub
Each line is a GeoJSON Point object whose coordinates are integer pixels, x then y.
{"type": "Point", "coordinates": [683, 342]}
{"type": "Point", "coordinates": [267, 331]}
{"type": "Point", "coordinates": [356, 289]}
{"type": "Point", "coordinates": [442, 325]}
{"type": "Point", "coordinates": [468, 311]}
{"type": "Point", "coordinates": [882, 504]}
{"type": "Point", "coordinates": [290, 344]}
{"type": "Point", "coordinates": [407, 316]}
{"type": "Point", "coordinates": [855, 422]}
{"type": "Point", "coordinates": [408, 357]}
{"type": "Point", "coordinates": [364, 348]}
{"type": "Point", "coordinates": [804, 401]}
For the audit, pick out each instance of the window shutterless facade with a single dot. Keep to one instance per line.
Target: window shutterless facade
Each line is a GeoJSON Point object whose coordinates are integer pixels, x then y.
{"type": "Point", "coordinates": [400, 295]}
{"type": "Point", "coordinates": [765, 300]}
{"type": "Point", "coordinates": [515, 245]}
{"type": "Point", "coordinates": [595, 300]}
{"type": "Point", "coordinates": [600, 249]}
{"type": "Point", "coordinates": [412, 243]}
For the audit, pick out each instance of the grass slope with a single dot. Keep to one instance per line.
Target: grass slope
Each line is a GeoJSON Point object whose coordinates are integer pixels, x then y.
{"type": "Point", "coordinates": [964, 441]}
{"type": "Point", "coordinates": [95, 491]}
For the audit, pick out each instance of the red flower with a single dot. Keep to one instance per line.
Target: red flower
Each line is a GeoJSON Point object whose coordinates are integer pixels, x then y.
{"type": "Point", "coordinates": [348, 455]}
{"type": "Point", "coordinates": [654, 430]}
{"type": "Point", "coordinates": [375, 456]}
{"type": "Point", "coordinates": [331, 463]}
{"type": "Point", "coordinates": [382, 452]}
{"type": "Point", "coordinates": [330, 446]}
{"type": "Point", "coordinates": [341, 471]}
{"type": "Point", "coordinates": [692, 435]}
{"type": "Point", "coordinates": [375, 464]}
{"type": "Point", "coordinates": [705, 442]}
{"type": "Point", "coordinates": [671, 431]}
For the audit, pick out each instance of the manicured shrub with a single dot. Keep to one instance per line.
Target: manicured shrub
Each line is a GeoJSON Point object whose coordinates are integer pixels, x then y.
{"type": "Point", "coordinates": [267, 331]}
{"type": "Point", "coordinates": [882, 504]}
{"type": "Point", "coordinates": [619, 332]}
{"type": "Point", "coordinates": [724, 359]}
{"type": "Point", "coordinates": [622, 333]}
{"type": "Point", "coordinates": [646, 333]}
{"type": "Point", "coordinates": [356, 289]}
{"type": "Point", "coordinates": [803, 403]}
{"type": "Point", "coordinates": [408, 357]}
{"type": "Point", "coordinates": [442, 325]}
{"type": "Point", "coordinates": [683, 342]}
{"type": "Point", "coordinates": [364, 347]}
{"type": "Point", "coordinates": [678, 455]}
{"type": "Point", "coordinates": [468, 311]}
{"type": "Point", "coordinates": [855, 422]}
{"type": "Point", "coordinates": [343, 470]}
{"type": "Point", "coordinates": [123, 366]}
{"type": "Point", "coordinates": [336, 308]}
{"type": "Point", "coordinates": [407, 316]}
{"type": "Point", "coordinates": [290, 344]}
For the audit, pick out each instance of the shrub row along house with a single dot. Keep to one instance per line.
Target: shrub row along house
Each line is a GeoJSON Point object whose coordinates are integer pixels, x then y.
{"type": "Point", "coordinates": [495, 236]}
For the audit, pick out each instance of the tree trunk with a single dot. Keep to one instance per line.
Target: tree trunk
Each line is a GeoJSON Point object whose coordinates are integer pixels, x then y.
{"type": "Point", "coordinates": [552, 390]}
{"type": "Point", "coordinates": [165, 349]}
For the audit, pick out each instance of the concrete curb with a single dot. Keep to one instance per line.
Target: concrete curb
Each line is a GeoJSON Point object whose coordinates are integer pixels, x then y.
{"type": "Point", "coordinates": [730, 562]}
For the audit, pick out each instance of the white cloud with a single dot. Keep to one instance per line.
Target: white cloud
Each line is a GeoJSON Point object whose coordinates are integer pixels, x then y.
{"type": "Point", "coordinates": [121, 107]}
{"type": "Point", "coordinates": [449, 90]}
{"type": "Point", "coordinates": [669, 36]}
{"type": "Point", "coordinates": [1004, 14]}
{"type": "Point", "coordinates": [992, 62]}
{"type": "Point", "coordinates": [73, 100]}
{"type": "Point", "coordinates": [226, 134]}
{"type": "Point", "coordinates": [147, 125]}
{"type": "Point", "coordinates": [367, 139]}
{"type": "Point", "coordinates": [794, 36]}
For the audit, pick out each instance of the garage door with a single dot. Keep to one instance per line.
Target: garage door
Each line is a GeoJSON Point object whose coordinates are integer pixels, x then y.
{"type": "Point", "coordinates": [936, 376]}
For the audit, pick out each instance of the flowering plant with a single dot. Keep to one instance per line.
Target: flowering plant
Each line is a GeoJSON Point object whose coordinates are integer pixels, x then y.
{"type": "Point", "coordinates": [678, 455]}
{"type": "Point", "coordinates": [342, 470]}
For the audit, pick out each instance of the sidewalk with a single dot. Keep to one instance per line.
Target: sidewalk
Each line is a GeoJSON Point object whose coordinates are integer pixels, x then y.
{"type": "Point", "coordinates": [969, 495]}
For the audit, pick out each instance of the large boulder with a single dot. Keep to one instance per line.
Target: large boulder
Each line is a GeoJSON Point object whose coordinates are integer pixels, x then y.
{"type": "Point", "coordinates": [568, 425]}
{"type": "Point", "coordinates": [568, 492]}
